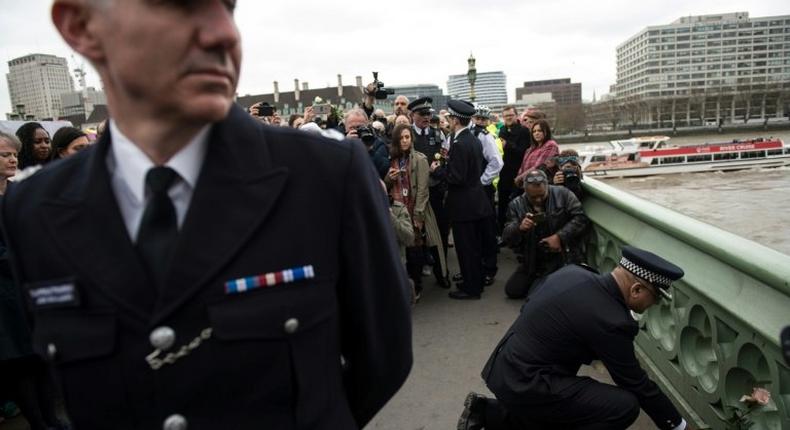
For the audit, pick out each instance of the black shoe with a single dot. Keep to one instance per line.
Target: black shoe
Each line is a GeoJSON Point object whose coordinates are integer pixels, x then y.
{"type": "Point", "coordinates": [473, 416]}
{"type": "Point", "coordinates": [443, 283]}
{"type": "Point", "coordinates": [458, 277]}
{"type": "Point", "coordinates": [462, 295]}
{"type": "Point", "coordinates": [488, 280]}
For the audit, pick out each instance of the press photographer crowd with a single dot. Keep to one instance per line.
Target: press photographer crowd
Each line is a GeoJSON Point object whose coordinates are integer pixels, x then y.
{"type": "Point", "coordinates": [507, 184]}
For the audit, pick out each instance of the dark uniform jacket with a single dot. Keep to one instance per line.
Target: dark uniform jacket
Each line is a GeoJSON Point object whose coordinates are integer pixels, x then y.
{"type": "Point", "coordinates": [564, 217]}
{"type": "Point", "coordinates": [430, 145]}
{"type": "Point", "coordinates": [516, 141]}
{"type": "Point", "coordinates": [466, 199]}
{"type": "Point", "coordinates": [574, 317]}
{"type": "Point", "coordinates": [321, 353]}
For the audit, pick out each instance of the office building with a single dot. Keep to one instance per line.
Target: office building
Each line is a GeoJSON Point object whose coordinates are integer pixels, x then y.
{"type": "Point", "coordinates": [490, 88]}
{"type": "Point", "coordinates": [706, 69]}
{"type": "Point", "coordinates": [36, 82]}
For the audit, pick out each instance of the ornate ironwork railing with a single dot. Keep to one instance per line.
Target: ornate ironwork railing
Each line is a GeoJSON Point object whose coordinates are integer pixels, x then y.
{"type": "Point", "coordinates": [719, 336]}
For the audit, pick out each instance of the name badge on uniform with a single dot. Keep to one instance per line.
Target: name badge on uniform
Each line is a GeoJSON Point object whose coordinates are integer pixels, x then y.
{"type": "Point", "coordinates": [54, 294]}
{"type": "Point", "coordinates": [287, 276]}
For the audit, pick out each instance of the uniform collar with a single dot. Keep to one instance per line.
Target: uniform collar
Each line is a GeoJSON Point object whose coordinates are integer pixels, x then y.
{"type": "Point", "coordinates": [131, 164]}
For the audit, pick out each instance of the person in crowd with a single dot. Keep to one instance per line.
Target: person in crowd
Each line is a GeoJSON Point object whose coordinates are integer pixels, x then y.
{"type": "Point", "coordinates": [36, 145]}
{"type": "Point", "coordinates": [24, 376]}
{"type": "Point", "coordinates": [492, 166]}
{"type": "Point", "coordinates": [68, 141]}
{"type": "Point", "coordinates": [530, 115]}
{"type": "Point", "coordinates": [356, 126]}
{"type": "Point", "coordinates": [569, 174]}
{"type": "Point", "coordinates": [409, 175]}
{"type": "Point", "coordinates": [467, 206]}
{"type": "Point", "coordinates": [9, 158]}
{"type": "Point", "coordinates": [402, 119]}
{"type": "Point", "coordinates": [444, 125]}
{"type": "Point", "coordinates": [428, 141]}
{"type": "Point", "coordinates": [515, 141]}
{"type": "Point", "coordinates": [575, 317]}
{"type": "Point", "coordinates": [295, 120]}
{"type": "Point", "coordinates": [545, 224]}
{"type": "Point", "coordinates": [541, 151]}
{"type": "Point", "coordinates": [404, 231]}
{"type": "Point", "coordinates": [266, 252]}
{"type": "Point", "coordinates": [399, 104]}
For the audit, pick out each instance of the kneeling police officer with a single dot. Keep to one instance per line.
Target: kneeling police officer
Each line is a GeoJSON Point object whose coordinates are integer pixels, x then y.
{"type": "Point", "coordinates": [574, 317]}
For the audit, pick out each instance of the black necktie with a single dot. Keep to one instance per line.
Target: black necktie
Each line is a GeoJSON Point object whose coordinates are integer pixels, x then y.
{"type": "Point", "coordinates": [159, 227]}
{"type": "Point", "coordinates": [423, 133]}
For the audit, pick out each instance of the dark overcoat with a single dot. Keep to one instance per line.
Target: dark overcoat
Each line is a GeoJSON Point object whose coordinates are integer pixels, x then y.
{"type": "Point", "coordinates": [320, 353]}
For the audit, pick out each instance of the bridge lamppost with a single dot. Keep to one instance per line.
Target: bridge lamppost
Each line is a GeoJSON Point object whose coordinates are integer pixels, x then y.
{"type": "Point", "coordinates": [471, 75]}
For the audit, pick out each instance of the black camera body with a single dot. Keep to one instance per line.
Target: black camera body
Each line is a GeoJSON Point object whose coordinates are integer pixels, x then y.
{"type": "Point", "coordinates": [572, 178]}
{"type": "Point", "coordinates": [380, 93]}
{"type": "Point", "coordinates": [366, 134]}
{"type": "Point", "coordinates": [265, 110]}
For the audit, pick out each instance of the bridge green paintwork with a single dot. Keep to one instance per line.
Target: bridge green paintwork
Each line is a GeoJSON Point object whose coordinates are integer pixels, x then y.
{"type": "Point", "coordinates": [719, 336]}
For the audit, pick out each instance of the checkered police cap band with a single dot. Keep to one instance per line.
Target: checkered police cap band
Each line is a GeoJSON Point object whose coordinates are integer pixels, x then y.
{"type": "Point", "coordinates": [454, 113]}
{"type": "Point", "coordinates": [650, 276]}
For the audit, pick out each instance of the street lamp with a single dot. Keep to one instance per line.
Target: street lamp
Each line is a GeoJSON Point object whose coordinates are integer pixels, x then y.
{"type": "Point", "coordinates": [471, 74]}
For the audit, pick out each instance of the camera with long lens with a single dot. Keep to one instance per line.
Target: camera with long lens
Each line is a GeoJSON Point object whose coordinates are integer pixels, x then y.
{"type": "Point", "coordinates": [380, 93]}
{"type": "Point", "coordinates": [366, 134]}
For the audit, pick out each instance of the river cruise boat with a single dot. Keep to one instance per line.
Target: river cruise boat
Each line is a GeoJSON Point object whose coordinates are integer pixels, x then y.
{"type": "Point", "coordinates": [646, 156]}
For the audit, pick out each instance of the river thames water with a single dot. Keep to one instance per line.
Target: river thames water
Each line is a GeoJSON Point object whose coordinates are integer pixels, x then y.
{"type": "Point", "coordinates": [752, 203]}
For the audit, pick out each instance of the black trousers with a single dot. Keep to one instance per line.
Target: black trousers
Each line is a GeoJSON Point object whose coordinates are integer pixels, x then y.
{"type": "Point", "coordinates": [505, 189]}
{"type": "Point", "coordinates": [468, 237]}
{"type": "Point", "coordinates": [587, 405]}
{"type": "Point", "coordinates": [490, 247]}
{"type": "Point", "coordinates": [436, 196]}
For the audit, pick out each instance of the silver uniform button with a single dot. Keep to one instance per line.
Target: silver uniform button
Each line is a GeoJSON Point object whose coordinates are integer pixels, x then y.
{"type": "Point", "coordinates": [291, 325]}
{"type": "Point", "coordinates": [52, 351]}
{"type": "Point", "coordinates": [162, 338]}
{"type": "Point", "coordinates": [175, 422]}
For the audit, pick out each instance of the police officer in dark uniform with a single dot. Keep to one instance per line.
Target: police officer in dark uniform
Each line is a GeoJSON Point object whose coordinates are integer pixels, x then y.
{"type": "Point", "coordinates": [188, 271]}
{"type": "Point", "coordinates": [467, 205]}
{"type": "Point", "coordinates": [429, 141]}
{"type": "Point", "coordinates": [574, 317]}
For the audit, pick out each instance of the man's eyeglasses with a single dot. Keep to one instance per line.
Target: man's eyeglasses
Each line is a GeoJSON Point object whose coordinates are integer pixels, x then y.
{"type": "Point", "coordinates": [535, 180]}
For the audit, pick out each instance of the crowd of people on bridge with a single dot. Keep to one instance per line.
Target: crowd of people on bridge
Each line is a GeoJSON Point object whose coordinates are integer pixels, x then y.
{"type": "Point", "coordinates": [210, 265]}
{"type": "Point", "coordinates": [409, 149]}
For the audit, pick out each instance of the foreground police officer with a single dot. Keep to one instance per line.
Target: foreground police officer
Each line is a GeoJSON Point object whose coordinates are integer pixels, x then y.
{"type": "Point", "coordinates": [467, 205]}
{"type": "Point", "coordinates": [184, 272]}
{"type": "Point", "coordinates": [574, 317]}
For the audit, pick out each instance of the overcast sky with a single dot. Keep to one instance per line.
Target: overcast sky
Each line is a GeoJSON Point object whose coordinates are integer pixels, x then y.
{"type": "Point", "coordinates": [409, 41]}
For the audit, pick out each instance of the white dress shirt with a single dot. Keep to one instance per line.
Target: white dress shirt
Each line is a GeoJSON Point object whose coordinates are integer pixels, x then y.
{"type": "Point", "coordinates": [128, 165]}
{"type": "Point", "coordinates": [492, 156]}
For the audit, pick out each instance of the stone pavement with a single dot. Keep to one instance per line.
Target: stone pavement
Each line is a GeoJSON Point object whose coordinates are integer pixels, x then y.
{"type": "Point", "coordinates": [452, 341]}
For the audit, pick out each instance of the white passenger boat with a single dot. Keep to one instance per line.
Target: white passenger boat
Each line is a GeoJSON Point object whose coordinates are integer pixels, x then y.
{"type": "Point", "coordinates": [647, 156]}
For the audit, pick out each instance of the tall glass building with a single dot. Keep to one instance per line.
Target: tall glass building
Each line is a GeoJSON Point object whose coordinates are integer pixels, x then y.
{"type": "Point", "coordinates": [490, 88]}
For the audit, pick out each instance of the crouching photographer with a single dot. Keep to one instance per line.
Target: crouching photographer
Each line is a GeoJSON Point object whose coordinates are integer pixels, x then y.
{"type": "Point", "coordinates": [356, 126]}
{"type": "Point", "coordinates": [569, 174]}
{"type": "Point", "coordinates": [546, 224]}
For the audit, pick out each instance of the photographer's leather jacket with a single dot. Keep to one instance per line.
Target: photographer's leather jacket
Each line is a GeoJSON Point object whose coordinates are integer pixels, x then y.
{"type": "Point", "coordinates": [564, 216]}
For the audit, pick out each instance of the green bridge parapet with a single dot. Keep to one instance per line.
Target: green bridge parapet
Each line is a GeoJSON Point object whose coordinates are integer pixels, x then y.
{"type": "Point", "coordinates": [719, 336]}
